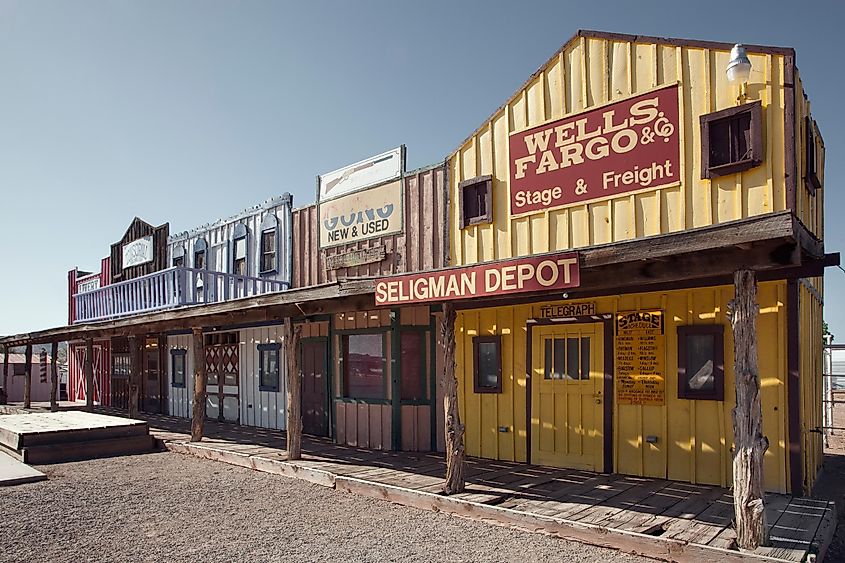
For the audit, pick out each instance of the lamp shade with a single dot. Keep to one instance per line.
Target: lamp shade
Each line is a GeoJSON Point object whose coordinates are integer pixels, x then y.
{"type": "Point", "coordinates": [739, 67]}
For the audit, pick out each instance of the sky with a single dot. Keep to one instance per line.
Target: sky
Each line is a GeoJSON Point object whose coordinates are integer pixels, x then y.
{"type": "Point", "coordinates": [187, 111]}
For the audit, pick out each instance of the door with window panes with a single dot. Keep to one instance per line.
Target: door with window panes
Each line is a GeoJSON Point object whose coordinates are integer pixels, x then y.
{"type": "Point", "coordinates": [567, 404]}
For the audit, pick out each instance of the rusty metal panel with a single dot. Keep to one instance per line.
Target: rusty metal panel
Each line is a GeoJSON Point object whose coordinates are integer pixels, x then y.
{"type": "Point", "coordinates": [419, 247]}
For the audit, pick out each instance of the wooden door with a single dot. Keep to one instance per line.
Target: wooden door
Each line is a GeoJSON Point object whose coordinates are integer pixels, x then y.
{"type": "Point", "coordinates": [567, 402]}
{"type": "Point", "coordinates": [152, 377]}
{"type": "Point", "coordinates": [315, 403]}
{"type": "Point", "coordinates": [223, 372]}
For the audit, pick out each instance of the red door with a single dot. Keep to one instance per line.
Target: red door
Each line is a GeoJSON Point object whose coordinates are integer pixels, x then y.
{"type": "Point", "coordinates": [315, 408]}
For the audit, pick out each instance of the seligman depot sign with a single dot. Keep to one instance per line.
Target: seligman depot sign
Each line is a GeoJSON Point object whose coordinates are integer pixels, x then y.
{"type": "Point", "coordinates": [531, 273]}
{"type": "Point", "coordinates": [622, 147]}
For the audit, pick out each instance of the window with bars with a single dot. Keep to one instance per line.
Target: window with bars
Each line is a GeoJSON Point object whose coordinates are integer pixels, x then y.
{"type": "Point", "coordinates": [120, 365]}
{"type": "Point", "coordinates": [567, 358]}
{"type": "Point", "coordinates": [731, 140]}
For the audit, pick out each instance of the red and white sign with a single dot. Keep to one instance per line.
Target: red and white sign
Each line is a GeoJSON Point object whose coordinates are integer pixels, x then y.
{"type": "Point", "coordinates": [622, 147]}
{"type": "Point", "coordinates": [531, 273]}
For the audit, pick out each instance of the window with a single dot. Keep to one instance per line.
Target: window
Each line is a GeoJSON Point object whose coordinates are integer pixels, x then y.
{"type": "Point", "coordinates": [18, 369]}
{"type": "Point", "coordinates": [120, 365]}
{"type": "Point", "coordinates": [268, 367]}
{"type": "Point", "coordinates": [811, 164]}
{"type": "Point", "coordinates": [701, 362]}
{"type": "Point", "coordinates": [487, 364]}
{"type": "Point", "coordinates": [200, 247]}
{"type": "Point", "coordinates": [567, 358]}
{"type": "Point", "coordinates": [178, 256]}
{"type": "Point", "coordinates": [412, 358]}
{"type": "Point", "coordinates": [177, 364]}
{"type": "Point", "coordinates": [363, 366]}
{"type": "Point", "coordinates": [268, 251]}
{"type": "Point", "coordinates": [731, 140]}
{"type": "Point", "coordinates": [178, 261]}
{"type": "Point", "coordinates": [239, 251]}
{"type": "Point", "coordinates": [476, 201]}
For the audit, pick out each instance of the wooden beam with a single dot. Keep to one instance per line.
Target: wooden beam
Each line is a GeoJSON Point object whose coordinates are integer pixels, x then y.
{"type": "Point", "coordinates": [200, 381]}
{"type": "Point", "coordinates": [294, 390]}
{"type": "Point", "coordinates": [749, 442]}
{"type": "Point", "coordinates": [54, 377]}
{"type": "Point", "coordinates": [134, 374]}
{"type": "Point", "coordinates": [27, 382]}
{"type": "Point", "coordinates": [455, 453]}
{"type": "Point", "coordinates": [89, 374]}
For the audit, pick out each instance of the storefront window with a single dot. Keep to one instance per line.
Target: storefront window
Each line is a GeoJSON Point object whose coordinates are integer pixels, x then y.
{"type": "Point", "coordinates": [413, 366]}
{"type": "Point", "coordinates": [363, 363]}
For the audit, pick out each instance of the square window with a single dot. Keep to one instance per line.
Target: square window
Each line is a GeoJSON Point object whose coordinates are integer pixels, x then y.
{"type": "Point", "coordinates": [268, 367]}
{"type": "Point", "coordinates": [363, 366]}
{"type": "Point", "coordinates": [476, 201]}
{"type": "Point", "coordinates": [178, 367]}
{"type": "Point", "coordinates": [731, 140]}
{"type": "Point", "coordinates": [701, 369]}
{"type": "Point", "coordinates": [487, 364]}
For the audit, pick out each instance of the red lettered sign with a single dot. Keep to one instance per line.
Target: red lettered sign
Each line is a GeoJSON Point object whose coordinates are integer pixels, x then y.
{"type": "Point", "coordinates": [531, 273]}
{"type": "Point", "coordinates": [622, 147]}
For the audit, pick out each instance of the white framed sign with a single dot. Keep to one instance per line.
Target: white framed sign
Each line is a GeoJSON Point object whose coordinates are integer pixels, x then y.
{"type": "Point", "coordinates": [89, 284]}
{"type": "Point", "coordinates": [368, 172]}
{"type": "Point", "coordinates": [137, 252]}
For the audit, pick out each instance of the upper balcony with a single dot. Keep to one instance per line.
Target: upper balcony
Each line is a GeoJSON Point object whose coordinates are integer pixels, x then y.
{"type": "Point", "coordinates": [167, 289]}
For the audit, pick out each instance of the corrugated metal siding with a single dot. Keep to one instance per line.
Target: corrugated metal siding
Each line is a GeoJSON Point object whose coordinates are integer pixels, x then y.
{"type": "Point", "coordinates": [420, 247]}
{"type": "Point", "coordinates": [589, 72]}
{"type": "Point", "coordinates": [138, 229]}
{"type": "Point", "coordinates": [219, 235]}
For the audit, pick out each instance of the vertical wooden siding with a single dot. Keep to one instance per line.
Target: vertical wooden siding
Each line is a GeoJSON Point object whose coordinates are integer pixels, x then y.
{"type": "Point", "coordinates": [138, 229]}
{"type": "Point", "coordinates": [809, 206]}
{"type": "Point", "coordinates": [811, 358]}
{"type": "Point", "coordinates": [694, 436]}
{"type": "Point", "coordinates": [181, 399]}
{"type": "Point", "coordinates": [420, 247]}
{"type": "Point", "coordinates": [592, 71]}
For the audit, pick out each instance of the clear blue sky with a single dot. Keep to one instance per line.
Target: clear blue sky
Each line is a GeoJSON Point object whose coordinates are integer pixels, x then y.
{"type": "Point", "coordinates": [191, 110]}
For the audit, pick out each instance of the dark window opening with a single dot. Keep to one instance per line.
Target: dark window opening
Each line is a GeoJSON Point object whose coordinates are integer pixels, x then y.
{"type": "Point", "coordinates": [567, 358]}
{"type": "Point", "coordinates": [476, 201]}
{"type": "Point", "coordinates": [178, 261]}
{"type": "Point", "coordinates": [811, 165]}
{"type": "Point", "coordinates": [178, 363]}
{"type": "Point", "coordinates": [120, 365]}
{"type": "Point", "coordinates": [268, 362]}
{"type": "Point", "coordinates": [268, 251]}
{"type": "Point", "coordinates": [199, 260]}
{"type": "Point", "coordinates": [731, 140]}
{"type": "Point", "coordinates": [412, 361]}
{"type": "Point", "coordinates": [487, 364]}
{"type": "Point", "coordinates": [701, 363]}
{"type": "Point", "coordinates": [363, 366]}
{"type": "Point", "coordinates": [18, 369]}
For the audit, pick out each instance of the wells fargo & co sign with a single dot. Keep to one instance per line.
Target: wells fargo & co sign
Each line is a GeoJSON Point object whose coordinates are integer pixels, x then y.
{"type": "Point", "coordinates": [361, 215]}
{"type": "Point", "coordinates": [532, 273]}
{"type": "Point", "coordinates": [622, 147]}
{"type": "Point", "coordinates": [640, 353]}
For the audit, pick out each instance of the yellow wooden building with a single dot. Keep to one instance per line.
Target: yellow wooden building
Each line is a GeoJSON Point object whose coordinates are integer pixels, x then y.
{"type": "Point", "coordinates": [640, 155]}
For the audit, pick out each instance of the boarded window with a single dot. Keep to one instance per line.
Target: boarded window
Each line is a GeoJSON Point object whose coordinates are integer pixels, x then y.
{"type": "Point", "coordinates": [567, 358]}
{"type": "Point", "coordinates": [268, 251]}
{"type": "Point", "coordinates": [731, 140]}
{"type": "Point", "coordinates": [412, 358]}
{"type": "Point", "coordinates": [363, 366]}
{"type": "Point", "coordinates": [811, 161]}
{"type": "Point", "coordinates": [701, 370]}
{"type": "Point", "coordinates": [487, 364]}
{"type": "Point", "coordinates": [476, 201]}
{"type": "Point", "coordinates": [268, 367]}
{"type": "Point", "coordinates": [178, 367]}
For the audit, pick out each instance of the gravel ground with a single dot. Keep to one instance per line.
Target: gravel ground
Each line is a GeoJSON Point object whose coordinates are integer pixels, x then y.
{"type": "Point", "coordinates": [171, 507]}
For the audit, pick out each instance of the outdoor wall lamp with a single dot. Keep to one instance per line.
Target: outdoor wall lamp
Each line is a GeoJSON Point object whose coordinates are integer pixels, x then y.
{"type": "Point", "coordinates": [739, 69]}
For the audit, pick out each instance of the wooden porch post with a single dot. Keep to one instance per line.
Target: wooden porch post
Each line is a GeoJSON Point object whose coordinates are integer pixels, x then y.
{"type": "Point", "coordinates": [6, 371]}
{"type": "Point", "coordinates": [750, 444]}
{"type": "Point", "coordinates": [134, 374]}
{"type": "Point", "coordinates": [89, 374]}
{"type": "Point", "coordinates": [454, 429]}
{"type": "Point", "coordinates": [294, 394]}
{"type": "Point", "coordinates": [27, 382]}
{"type": "Point", "coordinates": [54, 377]}
{"type": "Point", "coordinates": [200, 392]}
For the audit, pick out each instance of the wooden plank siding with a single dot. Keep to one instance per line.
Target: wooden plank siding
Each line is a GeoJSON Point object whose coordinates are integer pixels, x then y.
{"type": "Point", "coordinates": [419, 247]}
{"type": "Point", "coordinates": [694, 437]}
{"type": "Point", "coordinates": [809, 205]}
{"type": "Point", "coordinates": [810, 356]}
{"type": "Point", "coordinates": [139, 229]}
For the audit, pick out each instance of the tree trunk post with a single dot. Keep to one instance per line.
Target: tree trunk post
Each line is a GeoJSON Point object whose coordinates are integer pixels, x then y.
{"type": "Point", "coordinates": [294, 388]}
{"type": "Point", "coordinates": [200, 391]}
{"type": "Point", "coordinates": [455, 453]}
{"type": "Point", "coordinates": [27, 382]}
{"type": "Point", "coordinates": [134, 374]}
{"type": "Point", "coordinates": [89, 374]}
{"type": "Point", "coordinates": [749, 442]}
{"type": "Point", "coordinates": [54, 377]}
{"type": "Point", "coordinates": [6, 371]}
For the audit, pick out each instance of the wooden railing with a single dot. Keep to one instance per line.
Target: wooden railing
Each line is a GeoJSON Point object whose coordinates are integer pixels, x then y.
{"type": "Point", "coordinates": [174, 287]}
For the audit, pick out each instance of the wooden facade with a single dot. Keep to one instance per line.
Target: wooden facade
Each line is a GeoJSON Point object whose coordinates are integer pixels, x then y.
{"type": "Point", "coordinates": [588, 425]}
{"type": "Point", "coordinates": [139, 229]}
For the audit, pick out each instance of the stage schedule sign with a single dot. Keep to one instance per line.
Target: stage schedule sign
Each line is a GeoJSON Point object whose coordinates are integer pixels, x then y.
{"type": "Point", "coordinates": [361, 215]}
{"type": "Point", "coordinates": [531, 273]}
{"type": "Point", "coordinates": [622, 147]}
{"type": "Point", "coordinates": [640, 358]}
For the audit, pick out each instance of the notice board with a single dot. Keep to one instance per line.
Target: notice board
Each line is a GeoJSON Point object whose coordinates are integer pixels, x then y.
{"type": "Point", "coordinates": [640, 358]}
